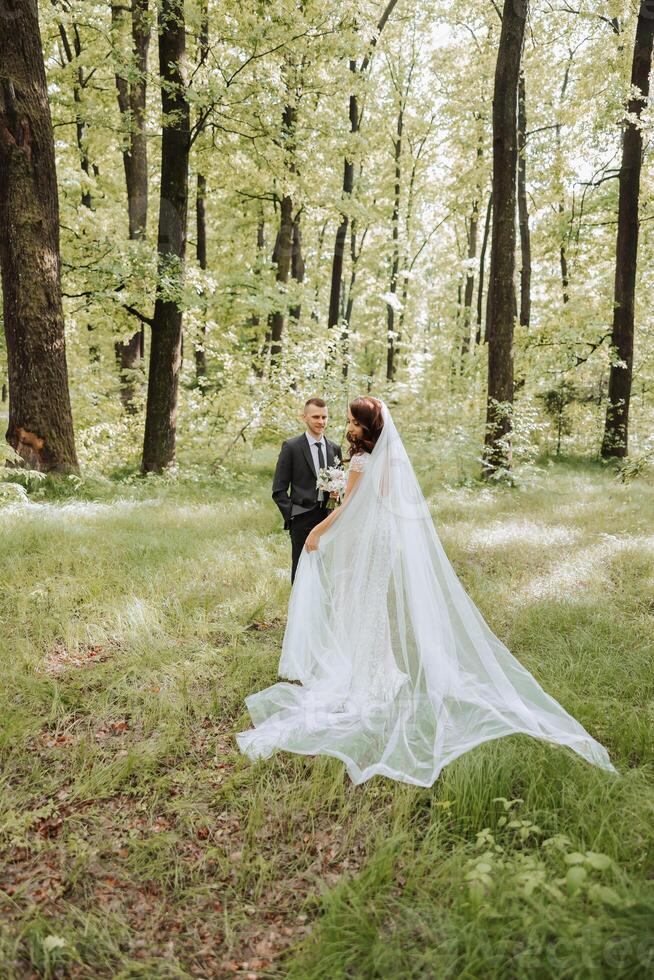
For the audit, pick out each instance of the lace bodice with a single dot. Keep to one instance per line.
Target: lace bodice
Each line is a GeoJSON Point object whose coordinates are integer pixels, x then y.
{"type": "Point", "coordinates": [358, 462]}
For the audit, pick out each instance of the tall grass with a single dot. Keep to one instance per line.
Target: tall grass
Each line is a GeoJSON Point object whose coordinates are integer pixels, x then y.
{"type": "Point", "coordinates": [137, 842]}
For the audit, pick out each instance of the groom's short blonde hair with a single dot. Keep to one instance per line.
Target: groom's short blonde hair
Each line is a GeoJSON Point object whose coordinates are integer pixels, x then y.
{"type": "Point", "coordinates": [315, 401]}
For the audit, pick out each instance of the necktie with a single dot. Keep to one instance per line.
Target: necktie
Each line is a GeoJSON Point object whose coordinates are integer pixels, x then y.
{"type": "Point", "coordinates": [321, 463]}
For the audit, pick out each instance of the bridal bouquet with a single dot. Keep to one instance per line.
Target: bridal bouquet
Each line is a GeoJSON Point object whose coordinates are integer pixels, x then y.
{"type": "Point", "coordinates": [331, 479]}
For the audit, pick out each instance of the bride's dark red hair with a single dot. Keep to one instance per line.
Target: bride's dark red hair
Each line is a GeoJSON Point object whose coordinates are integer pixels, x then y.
{"type": "Point", "coordinates": [367, 412]}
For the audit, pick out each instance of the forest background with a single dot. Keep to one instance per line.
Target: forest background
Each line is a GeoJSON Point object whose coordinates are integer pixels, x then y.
{"type": "Point", "coordinates": [340, 173]}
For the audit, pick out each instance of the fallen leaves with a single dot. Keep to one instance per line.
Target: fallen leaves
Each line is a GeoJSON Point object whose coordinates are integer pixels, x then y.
{"type": "Point", "coordinates": [176, 867]}
{"type": "Point", "coordinates": [262, 625]}
{"type": "Point", "coordinates": [60, 658]}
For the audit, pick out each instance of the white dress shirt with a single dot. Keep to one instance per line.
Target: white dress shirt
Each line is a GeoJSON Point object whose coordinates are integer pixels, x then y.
{"type": "Point", "coordinates": [313, 446]}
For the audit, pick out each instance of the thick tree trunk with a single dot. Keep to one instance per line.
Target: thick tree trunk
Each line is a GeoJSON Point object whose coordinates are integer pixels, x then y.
{"type": "Point", "coordinates": [131, 93]}
{"type": "Point", "coordinates": [523, 210]}
{"type": "Point", "coordinates": [501, 292]}
{"type": "Point", "coordinates": [40, 420]}
{"type": "Point", "coordinates": [616, 427]}
{"type": "Point", "coordinates": [165, 349]}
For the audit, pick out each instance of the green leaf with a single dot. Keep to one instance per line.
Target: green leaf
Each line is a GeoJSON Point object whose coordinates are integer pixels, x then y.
{"type": "Point", "coordinates": [575, 879]}
{"type": "Point", "coordinates": [603, 893]}
{"type": "Point", "coordinates": [575, 858]}
{"type": "Point", "coordinates": [476, 892]}
{"type": "Point", "coordinates": [598, 861]}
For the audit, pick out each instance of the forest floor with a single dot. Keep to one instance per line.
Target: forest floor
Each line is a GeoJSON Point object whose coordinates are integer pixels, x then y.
{"type": "Point", "coordinates": [136, 841]}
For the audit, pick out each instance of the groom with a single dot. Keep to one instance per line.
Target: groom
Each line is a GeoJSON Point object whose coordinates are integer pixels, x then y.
{"type": "Point", "coordinates": [299, 461]}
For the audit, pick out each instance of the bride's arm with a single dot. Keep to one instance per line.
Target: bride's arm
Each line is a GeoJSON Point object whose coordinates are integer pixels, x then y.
{"type": "Point", "coordinates": [312, 539]}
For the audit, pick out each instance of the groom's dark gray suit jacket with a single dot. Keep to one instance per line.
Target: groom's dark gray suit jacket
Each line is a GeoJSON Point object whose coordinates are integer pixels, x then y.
{"type": "Point", "coordinates": [295, 469]}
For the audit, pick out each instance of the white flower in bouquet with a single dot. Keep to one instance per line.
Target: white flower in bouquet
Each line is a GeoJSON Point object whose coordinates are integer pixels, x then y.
{"type": "Point", "coordinates": [331, 479]}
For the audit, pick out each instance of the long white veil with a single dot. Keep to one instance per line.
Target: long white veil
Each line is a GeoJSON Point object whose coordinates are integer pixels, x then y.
{"type": "Point", "coordinates": [399, 672]}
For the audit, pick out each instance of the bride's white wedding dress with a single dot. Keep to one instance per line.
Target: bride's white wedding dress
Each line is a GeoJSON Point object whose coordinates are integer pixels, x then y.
{"type": "Point", "coordinates": [399, 672]}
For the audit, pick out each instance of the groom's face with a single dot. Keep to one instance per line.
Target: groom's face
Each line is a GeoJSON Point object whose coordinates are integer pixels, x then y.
{"type": "Point", "coordinates": [315, 419]}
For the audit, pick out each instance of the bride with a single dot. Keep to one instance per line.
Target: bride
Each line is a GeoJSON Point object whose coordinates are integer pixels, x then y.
{"type": "Point", "coordinates": [399, 673]}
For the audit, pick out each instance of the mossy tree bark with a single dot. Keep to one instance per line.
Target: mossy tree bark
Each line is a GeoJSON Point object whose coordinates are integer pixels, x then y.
{"type": "Point", "coordinates": [40, 419]}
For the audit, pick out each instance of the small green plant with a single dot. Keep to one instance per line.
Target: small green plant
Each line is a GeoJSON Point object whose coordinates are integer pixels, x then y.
{"type": "Point", "coordinates": [632, 467]}
{"type": "Point", "coordinates": [556, 402]}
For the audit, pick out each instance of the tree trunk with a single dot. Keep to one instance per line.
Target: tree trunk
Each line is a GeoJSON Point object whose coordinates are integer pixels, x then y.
{"type": "Point", "coordinates": [315, 316]}
{"type": "Point", "coordinates": [341, 232]}
{"type": "Point", "coordinates": [501, 292]}
{"type": "Point", "coordinates": [349, 303]}
{"type": "Point", "coordinates": [40, 419]}
{"type": "Point", "coordinates": [391, 334]}
{"type": "Point", "coordinates": [284, 242]}
{"type": "Point", "coordinates": [297, 263]}
{"type": "Point", "coordinates": [259, 353]}
{"type": "Point", "coordinates": [563, 255]}
{"type": "Point", "coordinates": [523, 211]}
{"type": "Point", "coordinates": [563, 261]}
{"type": "Point", "coordinates": [200, 208]}
{"type": "Point", "coordinates": [71, 53]}
{"type": "Point", "coordinates": [473, 229]}
{"type": "Point", "coordinates": [407, 263]}
{"type": "Point", "coordinates": [131, 93]}
{"type": "Point", "coordinates": [201, 255]}
{"type": "Point", "coordinates": [165, 349]}
{"type": "Point", "coordinates": [482, 269]}
{"type": "Point", "coordinates": [616, 427]}
{"type": "Point", "coordinates": [348, 174]}
{"type": "Point", "coordinates": [282, 259]}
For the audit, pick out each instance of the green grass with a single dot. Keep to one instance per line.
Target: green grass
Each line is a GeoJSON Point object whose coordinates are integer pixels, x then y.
{"type": "Point", "coordinates": [137, 842]}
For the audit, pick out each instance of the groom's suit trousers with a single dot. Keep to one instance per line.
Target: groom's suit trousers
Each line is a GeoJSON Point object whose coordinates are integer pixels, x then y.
{"type": "Point", "coordinates": [301, 524]}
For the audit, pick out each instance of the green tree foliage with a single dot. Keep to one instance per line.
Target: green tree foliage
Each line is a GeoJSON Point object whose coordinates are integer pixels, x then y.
{"type": "Point", "coordinates": [408, 252]}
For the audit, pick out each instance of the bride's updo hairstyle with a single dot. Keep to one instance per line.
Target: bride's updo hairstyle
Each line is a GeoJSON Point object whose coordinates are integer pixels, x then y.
{"type": "Point", "coordinates": [367, 412]}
